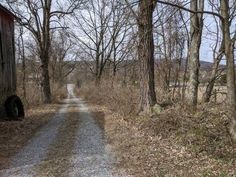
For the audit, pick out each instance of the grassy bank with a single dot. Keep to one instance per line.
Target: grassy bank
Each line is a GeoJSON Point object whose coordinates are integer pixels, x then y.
{"type": "Point", "coordinates": [177, 142]}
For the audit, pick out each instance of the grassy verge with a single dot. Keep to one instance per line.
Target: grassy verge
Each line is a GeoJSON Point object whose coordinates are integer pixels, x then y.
{"type": "Point", "coordinates": [178, 142]}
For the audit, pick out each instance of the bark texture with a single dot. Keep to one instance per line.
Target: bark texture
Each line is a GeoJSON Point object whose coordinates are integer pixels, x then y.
{"type": "Point", "coordinates": [45, 44]}
{"type": "Point", "coordinates": [195, 43]}
{"type": "Point", "coordinates": [146, 55]}
{"type": "Point", "coordinates": [229, 54]}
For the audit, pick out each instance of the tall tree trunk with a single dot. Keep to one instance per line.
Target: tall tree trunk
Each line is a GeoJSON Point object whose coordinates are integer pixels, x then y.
{"type": "Point", "coordinates": [146, 55]}
{"type": "Point", "coordinates": [185, 77]}
{"type": "Point", "coordinates": [231, 97]}
{"type": "Point", "coordinates": [229, 54]}
{"type": "Point", "coordinates": [194, 65]}
{"type": "Point", "coordinates": [45, 44]}
{"type": "Point", "coordinates": [114, 61]}
{"type": "Point", "coordinates": [97, 66]}
{"type": "Point", "coordinates": [46, 79]}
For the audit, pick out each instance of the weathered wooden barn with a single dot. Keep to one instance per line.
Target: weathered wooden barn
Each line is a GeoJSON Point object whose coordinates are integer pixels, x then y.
{"type": "Point", "coordinates": [7, 64]}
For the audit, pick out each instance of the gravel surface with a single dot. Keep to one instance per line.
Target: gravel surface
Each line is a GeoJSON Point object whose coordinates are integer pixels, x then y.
{"type": "Point", "coordinates": [71, 144]}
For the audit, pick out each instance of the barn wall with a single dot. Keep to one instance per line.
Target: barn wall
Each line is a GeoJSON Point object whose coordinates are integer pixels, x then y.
{"type": "Point", "coordinates": [7, 58]}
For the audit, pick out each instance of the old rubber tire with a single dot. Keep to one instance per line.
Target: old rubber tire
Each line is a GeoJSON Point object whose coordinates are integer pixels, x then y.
{"type": "Point", "coordinates": [14, 108]}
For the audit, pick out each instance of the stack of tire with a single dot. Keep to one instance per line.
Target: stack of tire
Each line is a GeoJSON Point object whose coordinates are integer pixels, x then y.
{"type": "Point", "coordinates": [14, 108]}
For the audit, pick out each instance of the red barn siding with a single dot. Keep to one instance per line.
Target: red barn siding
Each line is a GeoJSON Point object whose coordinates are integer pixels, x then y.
{"type": "Point", "coordinates": [7, 55]}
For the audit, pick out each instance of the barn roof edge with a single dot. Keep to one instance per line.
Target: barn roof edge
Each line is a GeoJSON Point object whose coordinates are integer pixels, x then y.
{"type": "Point", "coordinates": [6, 10]}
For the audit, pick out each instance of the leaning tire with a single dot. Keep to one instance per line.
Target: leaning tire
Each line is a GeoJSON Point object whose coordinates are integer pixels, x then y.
{"type": "Point", "coordinates": [14, 108]}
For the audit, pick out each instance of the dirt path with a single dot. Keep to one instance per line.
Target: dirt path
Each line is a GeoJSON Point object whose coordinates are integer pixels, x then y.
{"type": "Point", "coordinates": [71, 144]}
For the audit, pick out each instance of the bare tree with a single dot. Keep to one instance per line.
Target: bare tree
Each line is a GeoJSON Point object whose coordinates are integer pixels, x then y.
{"type": "Point", "coordinates": [228, 14]}
{"type": "Point", "coordinates": [122, 35]}
{"type": "Point", "coordinates": [196, 27]}
{"type": "Point", "coordinates": [63, 57]}
{"type": "Point", "coordinates": [22, 57]}
{"type": "Point", "coordinates": [218, 52]}
{"type": "Point", "coordinates": [102, 35]}
{"type": "Point", "coordinates": [170, 46]}
{"type": "Point", "coordinates": [40, 18]}
{"type": "Point", "coordinates": [146, 54]}
{"type": "Point", "coordinates": [94, 38]}
{"type": "Point", "coordinates": [144, 18]}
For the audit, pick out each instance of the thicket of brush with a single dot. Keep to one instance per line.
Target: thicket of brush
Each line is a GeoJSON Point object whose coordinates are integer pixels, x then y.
{"type": "Point", "coordinates": [203, 130]}
{"type": "Point", "coordinates": [33, 95]}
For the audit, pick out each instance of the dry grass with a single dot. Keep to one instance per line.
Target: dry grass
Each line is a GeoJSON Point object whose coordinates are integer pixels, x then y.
{"type": "Point", "coordinates": [119, 99]}
{"type": "Point", "coordinates": [218, 95]}
{"type": "Point", "coordinates": [34, 94]}
{"type": "Point", "coordinates": [14, 134]}
{"type": "Point", "coordinates": [178, 142]}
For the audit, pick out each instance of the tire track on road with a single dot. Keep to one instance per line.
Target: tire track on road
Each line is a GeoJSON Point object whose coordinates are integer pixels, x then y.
{"type": "Point", "coordinates": [71, 145]}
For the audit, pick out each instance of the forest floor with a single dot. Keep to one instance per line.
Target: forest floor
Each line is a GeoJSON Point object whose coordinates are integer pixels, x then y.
{"type": "Point", "coordinates": [175, 141]}
{"type": "Point", "coordinates": [166, 145]}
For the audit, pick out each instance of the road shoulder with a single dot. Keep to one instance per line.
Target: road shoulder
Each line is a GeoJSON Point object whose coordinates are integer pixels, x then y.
{"type": "Point", "coordinates": [15, 134]}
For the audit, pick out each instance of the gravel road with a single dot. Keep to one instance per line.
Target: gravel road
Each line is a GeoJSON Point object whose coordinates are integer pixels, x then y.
{"type": "Point", "coordinates": [71, 144]}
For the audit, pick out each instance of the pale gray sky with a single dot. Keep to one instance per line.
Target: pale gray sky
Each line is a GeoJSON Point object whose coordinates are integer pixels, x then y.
{"type": "Point", "coordinates": [208, 39]}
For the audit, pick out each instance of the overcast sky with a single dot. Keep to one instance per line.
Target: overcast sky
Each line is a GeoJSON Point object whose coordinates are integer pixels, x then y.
{"type": "Point", "coordinates": [208, 39]}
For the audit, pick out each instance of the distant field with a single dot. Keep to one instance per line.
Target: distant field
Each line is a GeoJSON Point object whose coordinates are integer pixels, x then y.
{"type": "Point", "coordinates": [218, 95]}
